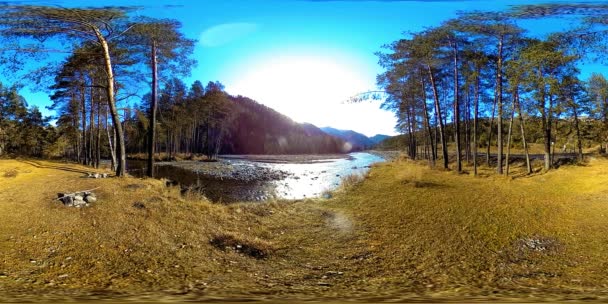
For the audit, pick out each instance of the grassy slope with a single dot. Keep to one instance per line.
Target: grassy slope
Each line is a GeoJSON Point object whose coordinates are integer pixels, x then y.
{"type": "Point", "coordinates": [405, 232]}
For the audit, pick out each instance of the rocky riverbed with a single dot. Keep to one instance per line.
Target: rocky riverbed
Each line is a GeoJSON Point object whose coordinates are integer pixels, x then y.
{"type": "Point", "coordinates": [236, 170]}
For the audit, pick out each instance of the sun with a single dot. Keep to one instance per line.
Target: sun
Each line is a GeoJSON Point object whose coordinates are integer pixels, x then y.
{"type": "Point", "coordinates": [306, 88]}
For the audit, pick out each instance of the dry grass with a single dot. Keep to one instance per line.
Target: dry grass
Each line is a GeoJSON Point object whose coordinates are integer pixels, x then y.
{"type": "Point", "coordinates": [441, 234]}
{"type": "Point", "coordinates": [115, 245]}
{"type": "Point", "coordinates": [404, 233]}
{"type": "Point", "coordinates": [11, 173]}
{"type": "Point", "coordinates": [349, 181]}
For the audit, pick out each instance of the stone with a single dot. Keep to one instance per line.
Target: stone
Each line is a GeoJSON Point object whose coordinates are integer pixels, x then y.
{"type": "Point", "coordinates": [90, 199]}
{"type": "Point", "coordinates": [67, 199]}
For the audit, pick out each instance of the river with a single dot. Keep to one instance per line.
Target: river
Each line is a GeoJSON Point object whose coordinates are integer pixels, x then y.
{"type": "Point", "coordinates": [234, 179]}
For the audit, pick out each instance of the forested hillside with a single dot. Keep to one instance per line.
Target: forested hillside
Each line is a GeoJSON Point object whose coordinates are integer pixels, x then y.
{"type": "Point", "coordinates": [258, 129]}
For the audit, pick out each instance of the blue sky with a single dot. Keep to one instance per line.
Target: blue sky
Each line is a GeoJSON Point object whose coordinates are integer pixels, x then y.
{"type": "Point", "coordinates": [303, 58]}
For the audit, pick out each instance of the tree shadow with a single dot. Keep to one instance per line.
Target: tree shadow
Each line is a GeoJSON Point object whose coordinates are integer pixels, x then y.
{"type": "Point", "coordinates": [55, 167]}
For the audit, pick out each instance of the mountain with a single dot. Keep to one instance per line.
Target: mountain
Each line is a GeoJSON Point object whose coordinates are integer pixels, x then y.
{"type": "Point", "coordinates": [357, 140]}
{"type": "Point", "coordinates": [378, 138]}
{"type": "Point", "coordinates": [258, 129]}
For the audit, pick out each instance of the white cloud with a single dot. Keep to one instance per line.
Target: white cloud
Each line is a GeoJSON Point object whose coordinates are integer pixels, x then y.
{"type": "Point", "coordinates": [225, 33]}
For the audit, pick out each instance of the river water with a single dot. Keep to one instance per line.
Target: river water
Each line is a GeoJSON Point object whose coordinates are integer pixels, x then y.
{"type": "Point", "coordinates": [295, 181]}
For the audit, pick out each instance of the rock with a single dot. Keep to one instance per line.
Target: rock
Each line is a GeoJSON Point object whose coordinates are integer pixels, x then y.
{"type": "Point", "coordinates": [90, 199]}
{"type": "Point", "coordinates": [326, 195]}
{"type": "Point", "coordinates": [66, 199]}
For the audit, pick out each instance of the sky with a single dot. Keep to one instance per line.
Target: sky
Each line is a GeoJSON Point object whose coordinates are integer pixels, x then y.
{"type": "Point", "coordinates": [303, 58]}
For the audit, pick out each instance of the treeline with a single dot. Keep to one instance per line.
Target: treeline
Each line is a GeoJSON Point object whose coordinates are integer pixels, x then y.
{"type": "Point", "coordinates": [23, 130]}
{"type": "Point", "coordinates": [479, 80]}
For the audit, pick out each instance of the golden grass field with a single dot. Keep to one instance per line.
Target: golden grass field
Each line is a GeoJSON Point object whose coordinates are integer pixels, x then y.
{"type": "Point", "coordinates": [405, 232]}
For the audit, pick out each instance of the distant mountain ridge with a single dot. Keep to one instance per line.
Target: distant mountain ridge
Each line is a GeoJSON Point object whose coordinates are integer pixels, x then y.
{"type": "Point", "coordinates": [378, 138]}
{"type": "Point", "coordinates": [357, 140]}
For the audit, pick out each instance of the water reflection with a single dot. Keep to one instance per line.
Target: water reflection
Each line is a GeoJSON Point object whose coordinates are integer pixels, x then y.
{"type": "Point", "coordinates": [303, 181]}
{"type": "Point", "coordinates": [309, 180]}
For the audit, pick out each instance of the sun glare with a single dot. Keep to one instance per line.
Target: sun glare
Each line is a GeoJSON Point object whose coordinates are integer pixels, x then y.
{"type": "Point", "coordinates": [307, 88]}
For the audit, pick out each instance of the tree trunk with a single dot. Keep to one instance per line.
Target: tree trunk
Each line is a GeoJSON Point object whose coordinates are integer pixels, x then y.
{"type": "Point", "coordinates": [509, 139]}
{"type": "Point", "coordinates": [122, 157]}
{"type": "Point", "coordinates": [467, 124]}
{"type": "Point", "coordinates": [98, 139]}
{"type": "Point", "coordinates": [444, 147]}
{"type": "Point", "coordinates": [523, 132]}
{"type": "Point", "coordinates": [499, 102]}
{"type": "Point", "coordinates": [475, 124]}
{"type": "Point", "coordinates": [111, 145]}
{"type": "Point", "coordinates": [456, 110]}
{"type": "Point", "coordinates": [91, 126]}
{"type": "Point", "coordinates": [84, 124]}
{"type": "Point", "coordinates": [546, 124]}
{"type": "Point", "coordinates": [427, 123]}
{"type": "Point", "coordinates": [490, 133]}
{"type": "Point", "coordinates": [579, 144]}
{"type": "Point", "coordinates": [153, 105]}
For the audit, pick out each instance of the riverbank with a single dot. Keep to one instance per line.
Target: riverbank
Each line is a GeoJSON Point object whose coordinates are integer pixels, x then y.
{"type": "Point", "coordinates": [404, 233]}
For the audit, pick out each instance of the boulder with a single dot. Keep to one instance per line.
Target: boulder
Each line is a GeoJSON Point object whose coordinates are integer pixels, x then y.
{"type": "Point", "coordinates": [90, 199]}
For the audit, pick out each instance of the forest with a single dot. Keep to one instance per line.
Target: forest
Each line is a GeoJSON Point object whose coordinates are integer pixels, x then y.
{"type": "Point", "coordinates": [474, 82]}
{"type": "Point", "coordinates": [480, 81]}
{"type": "Point", "coordinates": [113, 57]}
